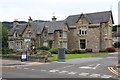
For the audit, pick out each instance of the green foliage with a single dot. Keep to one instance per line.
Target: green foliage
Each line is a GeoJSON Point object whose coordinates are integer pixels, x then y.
{"type": "Point", "coordinates": [83, 51]}
{"type": "Point", "coordinates": [54, 50]}
{"type": "Point", "coordinates": [71, 56]}
{"type": "Point", "coordinates": [5, 49]}
{"type": "Point", "coordinates": [75, 51]}
{"type": "Point", "coordinates": [117, 45]}
{"type": "Point", "coordinates": [78, 51]}
{"type": "Point", "coordinates": [88, 50]}
{"type": "Point", "coordinates": [103, 50]}
{"type": "Point", "coordinates": [42, 48]}
{"type": "Point", "coordinates": [114, 28]}
{"type": "Point", "coordinates": [68, 51]}
{"type": "Point", "coordinates": [110, 49]}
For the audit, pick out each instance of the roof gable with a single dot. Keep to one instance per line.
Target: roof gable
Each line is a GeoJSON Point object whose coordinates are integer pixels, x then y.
{"type": "Point", "coordinates": [18, 28]}
{"type": "Point", "coordinates": [93, 18]}
{"type": "Point", "coordinates": [86, 17]}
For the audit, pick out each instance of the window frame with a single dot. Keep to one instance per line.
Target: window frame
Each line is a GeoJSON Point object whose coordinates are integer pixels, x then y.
{"type": "Point", "coordinates": [82, 31]}
{"type": "Point", "coordinates": [85, 44]}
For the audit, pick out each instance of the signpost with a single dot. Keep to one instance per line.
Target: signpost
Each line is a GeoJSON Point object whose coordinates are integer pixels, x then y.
{"type": "Point", "coordinates": [61, 54]}
{"type": "Point", "coordinates": [24, 56]}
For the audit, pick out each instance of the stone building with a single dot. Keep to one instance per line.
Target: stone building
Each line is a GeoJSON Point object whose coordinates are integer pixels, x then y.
{"type": "Point", "coordinates": [84, 31]}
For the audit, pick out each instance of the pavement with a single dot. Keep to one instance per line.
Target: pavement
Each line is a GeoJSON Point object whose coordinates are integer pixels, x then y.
{"type": "Point", "coordinates": [103, 66]}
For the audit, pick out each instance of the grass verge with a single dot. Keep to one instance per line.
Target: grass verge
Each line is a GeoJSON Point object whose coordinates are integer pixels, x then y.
{"type": "Point", "coordinates": [71, 56]}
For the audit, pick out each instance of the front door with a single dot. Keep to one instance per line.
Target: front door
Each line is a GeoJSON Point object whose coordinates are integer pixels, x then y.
{"type": "Point", "coordinates": [82, 44]}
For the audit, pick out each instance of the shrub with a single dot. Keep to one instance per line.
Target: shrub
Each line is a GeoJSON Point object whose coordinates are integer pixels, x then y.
{"type": "Point", "coordinates": [110, 49]}
{"type": "Point", "coordinates": [89, 50]}
{"type": "Point", "coordinates": [75, 51]}
{"type": "Point", "coordinates": [68, 51]}
{"type": "Point", "coordinates": [116, 44]}
{"type": "Point", "coordinates": [54, 50]}
{"type": "Point", "coordinates": [42, 48]}
{"type": "Point", "coordinates": [103, 50]}
{"type": "Point", "coordinates": [83, 51]}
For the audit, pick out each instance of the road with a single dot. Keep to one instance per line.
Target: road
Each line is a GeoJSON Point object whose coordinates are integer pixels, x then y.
{"type": "Point", "coordinates": [92, 67]}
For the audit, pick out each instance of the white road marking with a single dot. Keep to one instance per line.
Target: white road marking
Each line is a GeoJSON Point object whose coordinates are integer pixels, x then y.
{"type": "Point", "coordinates": [43, 70]}
{"type": "Point", "coordinates": [72, 73]}
{"type": "Point", "coordinates": [19, 67]}
{"type": "Point", "coordinates": [54, 70]}
{"type": "Point", "coordinates": [114, 53]}
{"type": "Point", "coordinates": [12, 66]}
{"type": "Point", "coordinates": [95, 75]}
{"type": "Point", "coordinates": [106, 76]}
{"type": "Point", "coordinates": [84, 74]}
{"type": "Point", "coordinates": [66, 67]}
{"type": "Point", "coordinates": [26, 68]}
{"type": "Point", "coordinates": [0, 78]}
{"type": "Point", "coordinates": [111, 57]}
{"type": "Point", "coordinates": [90, 66]}
{"type": "Point", "coordinates": [63, 71]}
{"type": "Point", "coordinates": [33, 69]}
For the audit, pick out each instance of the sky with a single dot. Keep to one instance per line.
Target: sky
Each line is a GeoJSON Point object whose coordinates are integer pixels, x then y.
{"type": "Point", "coordinates": [45, 9]}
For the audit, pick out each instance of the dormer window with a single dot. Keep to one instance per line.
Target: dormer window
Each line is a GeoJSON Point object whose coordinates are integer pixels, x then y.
{"type": "Point", "coordinates": [29, 33]}
{"type": "Point", "coordinates": [44, 33]}
{"type": "Point", "coordinates": [15, 34]}
{"type": "Point", "coordinates": [83, 30]}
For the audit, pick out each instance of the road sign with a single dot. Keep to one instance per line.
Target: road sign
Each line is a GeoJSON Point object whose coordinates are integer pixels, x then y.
{"type": "Point", "coordinates": [24, 56]}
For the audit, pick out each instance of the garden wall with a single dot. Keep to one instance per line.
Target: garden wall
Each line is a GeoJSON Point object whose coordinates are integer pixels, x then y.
{"type": "Point", "coordinates": [40, 58]}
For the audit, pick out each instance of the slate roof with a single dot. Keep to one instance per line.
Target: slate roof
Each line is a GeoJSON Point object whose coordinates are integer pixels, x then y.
{"type": "Point", "coordinates": [52, 26]}
{"type": "Point", "coordinates": [93, 18]}
{"type": "Point", "coordinates": [39, 26]}
{"type": "Point", "coordinates": [19, 29]}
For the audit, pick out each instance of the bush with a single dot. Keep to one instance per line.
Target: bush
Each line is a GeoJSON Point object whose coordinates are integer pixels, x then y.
{"type": "Point", "coordinates": [83, 51]}
{"type": "Point", "coordinates": [42, 48]}
{"type": "Point", "coordinates": [68, 51]}
{"type": "Point", "coordinates": [116, 44]}
{"type": "Point", "coordinates": [75, 51]}
{"type": "Point", "coordinates": [7, 51]}
{"type": "Point", "coordinates": [78, 51]}
{"type": "Point", "coordinates": [103, 50]}
{"type": "Point", "coordinates": [110, 49]}
{"type": "Point", "coordinates": [89, 50]}
{"type": "Point", "coordinates": [54, 50]}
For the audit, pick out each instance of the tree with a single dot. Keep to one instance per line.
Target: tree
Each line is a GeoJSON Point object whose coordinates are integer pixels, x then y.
{"type": "Point", "coordinates": [115, 27]}
{"type": "Point", "coordinates": [4, 37]}
{"type": "Point", "coordinates": [117, 44]}
{"type": "Point", "coordinates": [0, 37]}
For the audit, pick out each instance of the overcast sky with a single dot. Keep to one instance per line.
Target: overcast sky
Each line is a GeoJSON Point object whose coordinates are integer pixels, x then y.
{"type": "Point", "coordinates": [45, 9]}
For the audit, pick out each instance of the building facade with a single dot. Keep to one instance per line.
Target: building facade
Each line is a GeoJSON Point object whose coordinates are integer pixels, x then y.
{"type": "Point", "coordinates": [84, 31]}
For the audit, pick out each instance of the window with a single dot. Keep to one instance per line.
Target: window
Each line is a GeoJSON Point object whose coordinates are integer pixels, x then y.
{"type": "Point", "coordinates": [82, 44]}
{"type": "Point", "coordinates": [18, 45]}
{"type": "Point", "coordinates": [10, 45]}
{"type": "Point", "coordinates": [15, 34]}
{"type": "Point", "coordinates": [29, 33]}
{"type": "Point", "coordinates": [83, 31]}
{"type": "Point", "coordinates": [60, 34]}
{"type": "Point", "coordinates": [65, 34]}
{"type": "Point", "coordinates": [45, 44]}
{"type": "Point", "coordinates": [44, 33]}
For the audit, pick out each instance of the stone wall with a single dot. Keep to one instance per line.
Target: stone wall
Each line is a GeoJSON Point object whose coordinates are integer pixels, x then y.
{"type": "Point", "coordinates": [40, 58]}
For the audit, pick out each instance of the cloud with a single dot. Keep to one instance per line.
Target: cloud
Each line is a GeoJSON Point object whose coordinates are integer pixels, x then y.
{"type": "Point", "coordinates": [43, 9]}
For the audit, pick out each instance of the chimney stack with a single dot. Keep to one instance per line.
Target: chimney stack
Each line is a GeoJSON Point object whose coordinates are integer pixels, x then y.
{"type": "Point", "coordinates": [54, 19]}
{"type": "Point", "coordinates": [30, 19]}
{"type": "Point", "coordinates": [15, 22]}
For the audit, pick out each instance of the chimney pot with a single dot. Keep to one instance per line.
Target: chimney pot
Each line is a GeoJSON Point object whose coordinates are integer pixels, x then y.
{"type": "Point", "coordinates": [54, 19]}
